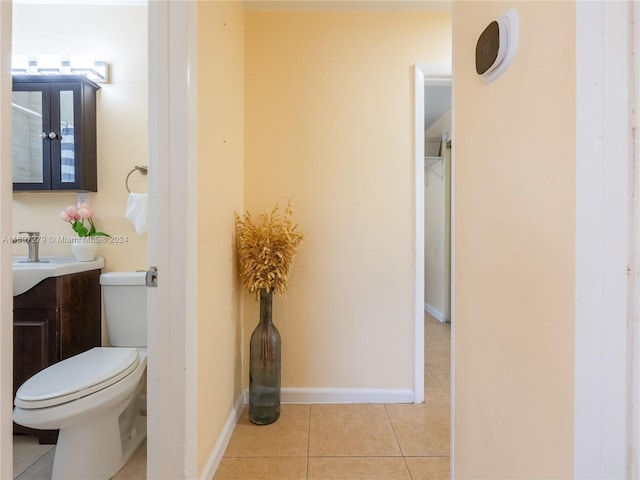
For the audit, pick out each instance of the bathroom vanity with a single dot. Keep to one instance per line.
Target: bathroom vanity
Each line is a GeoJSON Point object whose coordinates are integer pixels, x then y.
{"type": "Point", "coordinates": [57, 318]}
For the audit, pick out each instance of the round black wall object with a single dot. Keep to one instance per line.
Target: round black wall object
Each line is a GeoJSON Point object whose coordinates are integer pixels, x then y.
{"type": "Point", "coordinates": [497, 45]}
{"type": "Point", "coordinates": [488, 47]}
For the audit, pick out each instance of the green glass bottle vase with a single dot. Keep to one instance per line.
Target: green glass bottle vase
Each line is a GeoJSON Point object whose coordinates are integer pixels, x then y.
{"type": "Point", "coordinates": [264, 366]}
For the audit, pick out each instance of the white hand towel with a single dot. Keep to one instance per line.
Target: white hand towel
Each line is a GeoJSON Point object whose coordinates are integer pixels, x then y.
{"type": "Point", "coordinates": [137, 211]}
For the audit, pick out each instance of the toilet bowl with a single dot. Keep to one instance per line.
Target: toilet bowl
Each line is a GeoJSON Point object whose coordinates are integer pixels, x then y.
{"type": "Point", "coordinates": [93, 398]}
{"type": "Point", "coordinates": [95, 439]}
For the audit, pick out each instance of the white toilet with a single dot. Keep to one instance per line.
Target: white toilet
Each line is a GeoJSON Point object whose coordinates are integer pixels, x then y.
{"type": "Point", "coordinates": [93, 397]}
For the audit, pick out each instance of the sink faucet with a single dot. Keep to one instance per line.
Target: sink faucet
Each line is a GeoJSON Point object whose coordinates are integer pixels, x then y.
{"type": "Point", "coordinates": [33, 242]}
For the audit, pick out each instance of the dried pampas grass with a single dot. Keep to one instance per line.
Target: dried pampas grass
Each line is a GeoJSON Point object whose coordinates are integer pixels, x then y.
{"type": "Point", "coordinates": [266, 249]}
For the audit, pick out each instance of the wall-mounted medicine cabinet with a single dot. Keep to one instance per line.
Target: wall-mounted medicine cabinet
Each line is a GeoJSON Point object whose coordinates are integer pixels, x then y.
{"type": "Point", "coordinates": [54, 133]}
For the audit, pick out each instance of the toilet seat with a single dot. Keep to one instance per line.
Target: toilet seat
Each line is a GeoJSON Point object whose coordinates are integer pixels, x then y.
{"type": "Point", "coordinates": [77, 377]}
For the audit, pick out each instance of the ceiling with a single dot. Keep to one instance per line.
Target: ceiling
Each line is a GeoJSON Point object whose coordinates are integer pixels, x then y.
{"type": "Point", "coordinates": [437, 101]}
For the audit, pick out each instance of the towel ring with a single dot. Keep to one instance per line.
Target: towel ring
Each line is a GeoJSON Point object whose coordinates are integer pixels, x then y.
{"type": "Point", "coordinates": [143, 169]}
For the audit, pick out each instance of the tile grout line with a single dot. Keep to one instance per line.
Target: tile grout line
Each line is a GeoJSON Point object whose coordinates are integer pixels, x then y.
{"type": "Point", "coordinates": [395, 435]}
{"type": "Point", "coordinates": [447, 390]}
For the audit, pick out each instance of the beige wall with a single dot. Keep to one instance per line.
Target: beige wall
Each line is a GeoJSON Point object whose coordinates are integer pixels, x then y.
{"type": "Point", "coordinates": [328, 123]}
{"type": "Point", "coordinates": [515, 150]}
{"type": "Point", "coordinates": [220, 168]}
{"type": "Point", "coordinates": [117, 34]}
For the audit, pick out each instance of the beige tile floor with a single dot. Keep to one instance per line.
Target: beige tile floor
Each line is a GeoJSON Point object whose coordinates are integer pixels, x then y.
{"type": "Point", "coordinates": [327, 442]}
{"type": "Point", "coordinates": [353, 442]}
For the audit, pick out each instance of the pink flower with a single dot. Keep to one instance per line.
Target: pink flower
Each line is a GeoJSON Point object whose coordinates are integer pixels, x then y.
{"type": "Point", "coordinates": [76, 216]}
{"type": "Point", "coordinates": [85, 212]}
{"type": "Point", "coordinates": [72, 212]}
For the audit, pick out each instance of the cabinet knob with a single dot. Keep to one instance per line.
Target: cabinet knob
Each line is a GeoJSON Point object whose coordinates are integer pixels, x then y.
{"type": "Point", "coordinates": [43, 135]}
{"type": "Point", "coordinates": [53, 135]}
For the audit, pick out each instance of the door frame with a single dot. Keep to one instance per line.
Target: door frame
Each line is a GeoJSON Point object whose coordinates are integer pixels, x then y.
{"type": "Point", "coordinates": [418, 122]}
{"type": "Point", "coordinates": [431, 74]}
{"type": "Point", "coordinates": [607, 295]}
{"type": "Point", "coordinates": [172, 406]}
{"type": "Point", "coordinates": [172, 400]}
{"type": "Point", "coordinates": [6, 226]}
{"type": "Point", "coordinates": [423, 74]}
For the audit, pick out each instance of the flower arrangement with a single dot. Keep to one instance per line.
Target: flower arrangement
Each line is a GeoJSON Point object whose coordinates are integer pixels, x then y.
{"type": "Point", "coordinates": [76, 216]}
{"type": "Point", "coordinates": [266, 249]}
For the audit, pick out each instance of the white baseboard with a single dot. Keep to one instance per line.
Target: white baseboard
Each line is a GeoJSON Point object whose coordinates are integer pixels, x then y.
{"type": "Point", "coordinates": [344, 395]}
{"type": "Point", "coordinates": [211, 466]}
{"type": "Point", "coordinates": [435, 313]}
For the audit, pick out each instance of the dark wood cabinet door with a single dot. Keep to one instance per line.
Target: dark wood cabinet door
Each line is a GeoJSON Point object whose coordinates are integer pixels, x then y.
{"type": "Point", "coordinates": [31, 144]}
{"type": "Point", "coordinates": [34, 343]}
{"type": "Point", "coordinates": [80, 324]}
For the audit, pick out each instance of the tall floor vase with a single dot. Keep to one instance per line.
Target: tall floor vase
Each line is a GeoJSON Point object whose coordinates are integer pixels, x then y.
{"type": "Point", "coordinates": [264, 366]}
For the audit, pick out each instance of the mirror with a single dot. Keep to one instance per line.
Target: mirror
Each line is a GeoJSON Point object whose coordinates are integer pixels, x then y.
{"type": "Point", "coordinates": [27, 141]}
{"type": "Point", "coordinates": [37, 127]}
{"type": "Point", "coordinates": [67, 145]}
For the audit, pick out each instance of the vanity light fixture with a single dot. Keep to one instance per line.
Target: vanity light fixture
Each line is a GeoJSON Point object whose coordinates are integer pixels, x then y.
{"type": "Point", "coordinates": [49, 64]}
{"type": "Point", "coordinates": [96, 70]}
{"type": "Point", "coordinates": [20, 64]}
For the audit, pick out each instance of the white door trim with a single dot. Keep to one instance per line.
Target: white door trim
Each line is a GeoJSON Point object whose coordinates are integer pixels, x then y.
{"type": "Point", "coordinates": [606, 244]}
{"type": "Point", "coordinates": [633, 425]}
{"type": "Point", "coordinates": [6, 225]}
{"type": "Point", "coordinates": [172, 394]}
{"type": "Point", "coordinates": [418, 122]}
{"type": "Point", "coordinates": [432, 74]}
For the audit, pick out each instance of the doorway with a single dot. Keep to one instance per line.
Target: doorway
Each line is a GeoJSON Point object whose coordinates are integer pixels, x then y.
{"type": "Point", "coordinates": [171, 25]}
{"type": "Point", "coordinates": [439, 164]}
{"type": "Point", "coordinates": [122, 124]}
{"type": "Point", "coordinates": [437, 186]}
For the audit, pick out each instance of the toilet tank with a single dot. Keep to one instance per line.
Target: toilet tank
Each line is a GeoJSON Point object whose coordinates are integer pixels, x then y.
{"type": "Point", "coordinates": [125, 308]}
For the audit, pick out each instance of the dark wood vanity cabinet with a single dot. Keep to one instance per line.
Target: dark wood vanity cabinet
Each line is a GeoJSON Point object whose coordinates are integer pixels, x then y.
{"type": "Point", "coordinates": [56, 319]}
{"type": "Point", "coordinates": [54, 133]}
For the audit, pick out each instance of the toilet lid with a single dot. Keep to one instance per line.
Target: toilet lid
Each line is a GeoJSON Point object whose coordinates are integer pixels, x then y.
{"type": "Point", "coordinates": [77, 377]}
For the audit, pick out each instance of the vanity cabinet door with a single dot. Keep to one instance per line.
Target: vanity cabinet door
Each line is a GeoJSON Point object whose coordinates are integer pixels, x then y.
{"type": "Point", "coordinates": [79, 306]}
{"type": "Point", "coordinates": [54, 133]}
{"type": "Point", "coordinates": [34, 343]}
{"type": "Point", "coordinates": [31, 125]}
{"type": "Point", "coordinates": [35, 347]}
{"type": "Point", "coordinates": [56, 319]}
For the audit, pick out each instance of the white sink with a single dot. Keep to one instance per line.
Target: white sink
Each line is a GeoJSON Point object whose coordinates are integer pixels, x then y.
{"type": "Point", "coordinates": [27, 274]}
